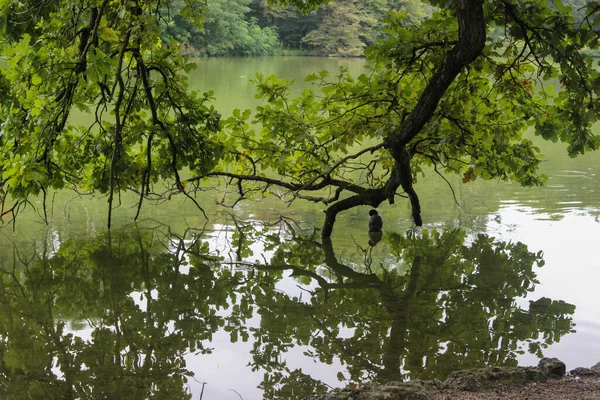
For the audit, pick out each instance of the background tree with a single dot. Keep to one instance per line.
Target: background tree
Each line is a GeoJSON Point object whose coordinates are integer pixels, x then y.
{"type": "Point", "coordinates": [348, 27]}
{"type": "Point", "coordinates": [291, 24]}
{"type": "Point", "coordinates": [228, 30]}
{"type": "Point", "coordinates": [345, 28]}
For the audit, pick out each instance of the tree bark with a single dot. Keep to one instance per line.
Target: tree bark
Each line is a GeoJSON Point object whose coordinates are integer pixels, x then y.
{"type": "Point", "coordinates": [402, 157]}
{"type": "Point", "coordinates": [471, 41]}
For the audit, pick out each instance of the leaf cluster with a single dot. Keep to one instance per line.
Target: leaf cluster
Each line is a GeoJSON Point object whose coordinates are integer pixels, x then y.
{"type": "Point", "coordinates": [95, 101]}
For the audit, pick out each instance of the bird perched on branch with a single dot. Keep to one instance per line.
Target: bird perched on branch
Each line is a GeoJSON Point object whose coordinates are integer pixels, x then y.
{"type": "Point", "coordinates": [375, 222]}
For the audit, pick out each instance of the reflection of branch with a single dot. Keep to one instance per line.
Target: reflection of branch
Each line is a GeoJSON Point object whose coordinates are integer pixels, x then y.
{"type": "Point", "coordinates": [296, 271]}
{"type": "Point", "coordinates": [339, 342]}
{"type": "Point", "coordinates": [371, 279]}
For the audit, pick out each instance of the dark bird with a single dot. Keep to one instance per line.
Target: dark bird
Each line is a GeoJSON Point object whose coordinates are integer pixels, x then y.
{"type": "Point", "coordinates": [375, 222]}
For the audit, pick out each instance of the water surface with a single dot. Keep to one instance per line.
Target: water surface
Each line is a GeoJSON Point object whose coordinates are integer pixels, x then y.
{"type": "Point", "coordinates": [253, 304]}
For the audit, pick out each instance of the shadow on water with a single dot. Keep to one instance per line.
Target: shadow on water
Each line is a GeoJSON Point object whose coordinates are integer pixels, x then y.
{"type": "Point", "coordinates": [418, 305]}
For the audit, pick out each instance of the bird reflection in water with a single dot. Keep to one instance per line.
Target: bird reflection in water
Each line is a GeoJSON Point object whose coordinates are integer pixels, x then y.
{"type": "Point", "coordinates": [375, 225]}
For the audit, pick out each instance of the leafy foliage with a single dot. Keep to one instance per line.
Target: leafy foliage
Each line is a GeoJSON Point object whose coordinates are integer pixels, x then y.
{"type": "Point", "coordinates": [440, 94]}
{"type": "Point", "coordinates": [107, 60]}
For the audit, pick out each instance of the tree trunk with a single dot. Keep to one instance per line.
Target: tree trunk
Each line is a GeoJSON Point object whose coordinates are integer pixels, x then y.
{"type": "Point", "coordinates": [402, 157]}
{"type": "Point", "coordinates": [471, 41]}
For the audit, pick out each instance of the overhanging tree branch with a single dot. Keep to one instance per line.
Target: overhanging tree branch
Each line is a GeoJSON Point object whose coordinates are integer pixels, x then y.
{"type": "Point", "coordinates": [471, 42]}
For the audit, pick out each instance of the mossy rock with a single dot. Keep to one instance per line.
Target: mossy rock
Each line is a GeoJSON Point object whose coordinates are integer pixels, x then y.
{"type": "Point", "coordinates": [473, 380]}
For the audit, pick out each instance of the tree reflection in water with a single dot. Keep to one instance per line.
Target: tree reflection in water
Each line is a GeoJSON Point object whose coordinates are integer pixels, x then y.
{"type": "Point", "coordinates": [419, 306]}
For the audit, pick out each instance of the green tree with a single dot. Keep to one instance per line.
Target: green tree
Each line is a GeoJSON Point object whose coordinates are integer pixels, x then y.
{"type": "Point", "coordinates": [416, 10]}
{"type": "Point", "coordinates": [227, 29]}
{"type": "Point", "coordinates": [107, 59]}
{"type": "Point", "coordinates": [339, 30]}
{"type": "Point", "coordinates": [347, 27]}
{"type": "Point", "coordinates": [291, 24]}
{"type": "Point", "coordinates": [179, 28]}
{"type": "Point", "coordinates": [440, 94]}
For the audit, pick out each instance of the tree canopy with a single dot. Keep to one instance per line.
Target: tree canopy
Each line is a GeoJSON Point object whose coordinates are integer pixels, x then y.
{"type": "Point", "coordinates": [441, 94]}
{"type": "Point", "coordinates": [455, 91]}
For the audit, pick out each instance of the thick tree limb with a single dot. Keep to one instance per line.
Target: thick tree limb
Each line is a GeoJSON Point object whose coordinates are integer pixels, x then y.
{"type": "Point", "coordinates": [471, 41]}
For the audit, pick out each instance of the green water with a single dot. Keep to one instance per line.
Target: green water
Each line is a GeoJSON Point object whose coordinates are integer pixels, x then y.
{"type": "Point", "coordinates": [253, 304]}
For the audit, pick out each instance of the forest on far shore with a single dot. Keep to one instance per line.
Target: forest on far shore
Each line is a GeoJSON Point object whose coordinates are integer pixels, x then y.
{"type": "Point", "coordinates": [253, 27]}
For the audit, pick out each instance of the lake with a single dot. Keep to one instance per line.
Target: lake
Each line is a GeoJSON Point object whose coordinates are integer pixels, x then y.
{"type": "Point", "coordinates": [253, 304]}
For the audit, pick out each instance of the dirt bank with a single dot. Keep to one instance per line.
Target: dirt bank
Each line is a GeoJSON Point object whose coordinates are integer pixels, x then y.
{"type": "Point", "coordinates": [547, 381]}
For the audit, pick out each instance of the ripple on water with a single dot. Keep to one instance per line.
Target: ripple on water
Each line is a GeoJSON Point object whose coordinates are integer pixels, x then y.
{"type": "Point", "coordinates": [555, 188]}
{"type": "Point", "coordinates": [569, 173]}
{"type": "Point", "coordinates": [508, 201]}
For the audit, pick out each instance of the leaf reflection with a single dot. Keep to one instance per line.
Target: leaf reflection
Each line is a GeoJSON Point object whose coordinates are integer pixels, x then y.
{"type": "Point", "coordinates": [418, 305]}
